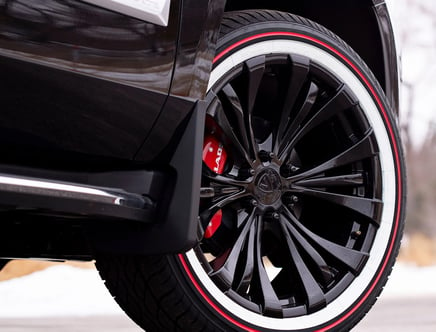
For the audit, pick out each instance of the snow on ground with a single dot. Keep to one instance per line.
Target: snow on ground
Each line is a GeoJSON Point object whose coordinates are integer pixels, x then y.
{"type": "Point", "coordinates": [411, 281]}
{"type": "Point", "coordinates": [69, 291]}
{"type": "Point", "coordinates": [57, 291]}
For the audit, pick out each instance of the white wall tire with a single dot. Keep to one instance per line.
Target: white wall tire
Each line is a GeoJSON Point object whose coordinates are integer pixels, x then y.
{"type": "Point", "coordinates": [364, 289]}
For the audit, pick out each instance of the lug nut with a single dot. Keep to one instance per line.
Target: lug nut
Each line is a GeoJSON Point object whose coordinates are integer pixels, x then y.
{"type": "Point", "coordinates": [272, 215]}
{"type": "Point", "coordinates": [265, 156]}
{"type": "Point", "coordinates": [290, 201]}
{"type": "Point", "coordinates": [287, 170]}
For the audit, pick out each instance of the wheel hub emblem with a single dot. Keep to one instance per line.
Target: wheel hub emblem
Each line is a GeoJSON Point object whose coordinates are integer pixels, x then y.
{"type": "Point", "coordinates": [268, 187]}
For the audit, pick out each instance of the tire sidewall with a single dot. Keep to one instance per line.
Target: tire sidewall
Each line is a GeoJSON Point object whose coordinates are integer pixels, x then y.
{"type": "Point", "coordinates": [235, 46]}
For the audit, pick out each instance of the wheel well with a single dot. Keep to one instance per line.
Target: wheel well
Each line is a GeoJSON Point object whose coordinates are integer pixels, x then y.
{"type": "Point", "coordinates": [352, 20]}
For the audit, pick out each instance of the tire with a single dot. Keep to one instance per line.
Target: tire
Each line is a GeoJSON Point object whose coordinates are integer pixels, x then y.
{"type": "Point", "coordinates": [307, 195]}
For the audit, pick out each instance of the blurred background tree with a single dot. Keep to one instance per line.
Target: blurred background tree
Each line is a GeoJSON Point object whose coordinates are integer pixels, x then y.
{"type": "Point", "coordinates": [416, 22]}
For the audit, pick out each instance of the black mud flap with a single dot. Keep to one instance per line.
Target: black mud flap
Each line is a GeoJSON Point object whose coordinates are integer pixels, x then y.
{"type": "Point", "coordinates": [176, 227]}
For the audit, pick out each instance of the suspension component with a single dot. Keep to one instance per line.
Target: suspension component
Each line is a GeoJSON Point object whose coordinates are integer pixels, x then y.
{"type": "Point", "coordinates": [214, 154]}
{"type": "Point", "coordinates": [214, 224]}
{"type": "Point", "coordinates": [215, 157]}
{"type": "Point", "coordinates": [220, 231]}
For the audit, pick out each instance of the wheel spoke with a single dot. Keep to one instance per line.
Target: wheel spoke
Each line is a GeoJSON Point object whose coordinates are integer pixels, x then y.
{"type": "Point", "coordinates": [255, 69]}
{"type": "Point", "coordinates": [220, 203]}
{"type": "Point", "coordinates": [353, 259]}
{"type": "Point", "coordinates": [368, 207]}
{"type": "Point", "coordinates": [261, 287]}
{"type": "Point", "coordinates": [363, 149]}
{"type": "Point", "coordinates": [299, 118]}
{"type": "Point", "coordinates": [240, 255]}
{"type": "Point", "coordinates": [338, 103]}
{"type": "Point", "coordinates": [299, 69]}
{"type": "Point", "coordinates": [333, 181]}
{"type": "Point", "coordinates": [233, 100]}
{"type": "Point", "coordinates": [323, 268]}
{"type": "Point", "coordinates": [242, 283]}
{"type": "Point", "coordinates": [217, 112]}
{"type": "Point", "coordinates": [314, 294]}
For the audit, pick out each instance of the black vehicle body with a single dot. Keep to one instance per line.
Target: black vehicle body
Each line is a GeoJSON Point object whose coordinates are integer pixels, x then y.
{"type": "Point", "coordinates": [96, 98]}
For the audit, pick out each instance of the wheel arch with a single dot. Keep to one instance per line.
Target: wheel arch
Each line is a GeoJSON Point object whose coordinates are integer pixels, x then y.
{"type": "Point", "coordinates": [360, 23]}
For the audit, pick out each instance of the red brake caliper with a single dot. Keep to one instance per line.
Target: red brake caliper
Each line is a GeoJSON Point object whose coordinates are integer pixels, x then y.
{"type": "Point", "coordinates": [215, 157]}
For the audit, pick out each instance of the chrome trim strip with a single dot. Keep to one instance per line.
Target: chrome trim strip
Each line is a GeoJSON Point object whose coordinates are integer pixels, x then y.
{"type": "Point", "coordinates": [116, 197]}
{"type": "Point", "coordinates": [153, 11]}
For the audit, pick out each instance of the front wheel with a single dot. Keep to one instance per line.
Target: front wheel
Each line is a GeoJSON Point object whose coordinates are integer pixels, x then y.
{"type": "Point", "coordinates": [302, 191]}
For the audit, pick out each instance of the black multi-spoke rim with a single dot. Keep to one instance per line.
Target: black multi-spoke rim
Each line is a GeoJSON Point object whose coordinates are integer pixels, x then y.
{"type": "Point", "coordinates": [300, 195]}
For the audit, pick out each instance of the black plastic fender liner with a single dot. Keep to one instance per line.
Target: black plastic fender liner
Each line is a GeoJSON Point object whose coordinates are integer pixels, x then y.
{"type": "Point", "coordinates": [391, 57]}
{"type": "Point", "coordinates": [176, 226]}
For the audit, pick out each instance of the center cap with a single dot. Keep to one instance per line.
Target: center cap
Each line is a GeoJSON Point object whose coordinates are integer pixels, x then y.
{"type": "Point", "coordinates": [268, 186]}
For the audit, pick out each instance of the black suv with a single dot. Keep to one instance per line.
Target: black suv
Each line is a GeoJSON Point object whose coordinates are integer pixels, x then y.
{"type": "Point", "coordinates": [229, 165]}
